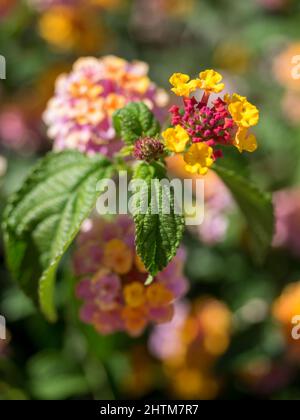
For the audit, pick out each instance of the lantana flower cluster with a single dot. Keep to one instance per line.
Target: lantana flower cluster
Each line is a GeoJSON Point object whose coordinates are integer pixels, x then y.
{"type": "Point", "coordinates": [190, 346]}
{"type": "Point", "coordinates": [202, 126]}
{"type": "Point", "coordinates": [80, 114]}
{"type": "Point", "coordinates": [112, 280]}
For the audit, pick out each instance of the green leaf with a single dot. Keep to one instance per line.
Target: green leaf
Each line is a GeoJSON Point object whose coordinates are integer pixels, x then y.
{"type": "Point", "coordinates": [255, 205]}
{"type": "Point", "coordinates": [54, 375]}
{"type": "Point", "coordinates": [158, 236]}
{"type": "Point", "coordinates": [44, 216]}
{"type": "Point", "coordinates": [135, 121]}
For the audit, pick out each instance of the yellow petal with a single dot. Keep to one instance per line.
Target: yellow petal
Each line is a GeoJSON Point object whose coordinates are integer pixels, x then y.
{"type": "Point", "coordinates": [179, 78]}
{"type": "Point", "coordinates": [176, 139]}
{"type": "Point", "coordinates": [183, 86]}
{"type": "Point", "coordinates": [242, 111]}
{"type": "Point", "coordinates": [210, 81]}
{"type": "Point", "coordinates": [198, 158]}
{"type": "Point", "coordinates": [245, 141]}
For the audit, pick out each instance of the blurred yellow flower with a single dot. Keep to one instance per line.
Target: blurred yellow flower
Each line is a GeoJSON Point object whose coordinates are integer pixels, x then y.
{"type": "Point", "coordinates": [176, 139]}
{"type": "Point", "coordinates": [233, 56]}
{"type": "Point", "coordinates": [118, 256]}
{"type": "Point", "coordinates": [285, 308]}
{"type": "Point", "coordinates": [288, 304]}
{"type": "Point", "coordinates": [140, 378]}
{"type": "Point", "coordinates": [210, 81]}
{"type": "Point", "coordinates": [134, 294]}
{"type": "Point", "coordinates": [198, 158]}
{"type": "Point", "coordinates": [134, 319]}
{"type": "Point", "coordinates": [183, 86]}
{"type": "Point", "coordinates": [190, 383]}
{"type": "Point", "coordinates": [157, 295]}
{"type": "Point", "coordinates": [245, 141]}
{"type": "Point", "coordinates": [71, 28]}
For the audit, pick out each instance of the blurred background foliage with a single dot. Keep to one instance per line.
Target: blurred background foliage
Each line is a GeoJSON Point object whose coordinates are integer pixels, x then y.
{"type": "Point", "coordinates": [245, 350]}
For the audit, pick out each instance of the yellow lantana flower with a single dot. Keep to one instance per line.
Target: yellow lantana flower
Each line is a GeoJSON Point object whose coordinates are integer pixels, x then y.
{"type": "Point", "coordinates": [134, 294]}
{"type": "Point", "coordinates": [118, 256]}
{"type": "Point", "coordinates": [176, 139]}
{"type": "Point", "coordinates": [235, 97]}
{"type": "Point", "coordinates": [242, 111]}
{"type": "Point", "coordinates": [198, 158]}
{"type": "Point", "coordinates": [183, 86]}
{"type": "Point", "coordinates": [245, 141]}
{"type": "Point", "coordinates": [69, 28]}
{"type": "Point", "coordinates": [157, 295]}
{"type": "Point", "coordinates": [210, 81]}
{"type": "Point", "coordinates": [134, 319]}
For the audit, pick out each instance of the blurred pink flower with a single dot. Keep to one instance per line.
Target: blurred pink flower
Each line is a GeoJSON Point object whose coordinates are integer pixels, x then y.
{"type": "Point", "coordinates": [19, 130]}
{"type": "Point", "coordinates": [274, 5]}
{"type": "Point", "coordinates": [291, 106]}
{"type": "Point", "coordinates": [79, 115]}
{"type": "Point", "coordinates": [6, 7]}
{"type": "Point", "coordinates": [287, 212]}
{"type": "Point", "coordinates": [166, 341]}
{"type": "Point", "coordinates": [112, 280]}
{"type": "Point", "coordinates": [218, 206]}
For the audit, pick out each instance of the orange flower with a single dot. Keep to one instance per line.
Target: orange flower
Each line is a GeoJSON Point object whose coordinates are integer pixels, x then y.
{"type": "Point", "coordinates": [118, 256]}
{"type": "Point", "coordinates": [134, 294]}
{"type": "Point", "coordinates": [113, 102]}
{"type": "Point", "coordinates": [190, 383]}
{"type": "Point", "coordinates": [134, 319]}
{"type": "Point", "coordinates": [157, 295]}
{"type": "Point", "coordinates": [139, 264]}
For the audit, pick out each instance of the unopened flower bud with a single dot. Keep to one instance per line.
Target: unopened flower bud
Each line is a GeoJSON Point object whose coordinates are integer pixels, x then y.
{"type": "Point", "coordinates": [148, 149]}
